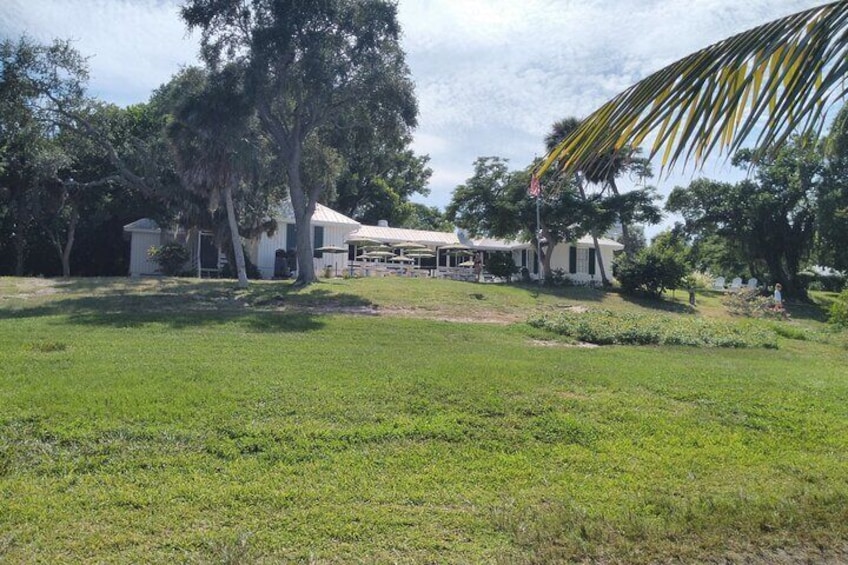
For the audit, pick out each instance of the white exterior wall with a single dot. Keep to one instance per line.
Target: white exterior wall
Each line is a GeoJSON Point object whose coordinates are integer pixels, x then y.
{"type": "Point", "coordinates": [559, 257]}
{"type": "Point", "coordinates": [140, 263]}
{"type": "Point", "coordinates": [559, 260]}
{"type": "Point", "coordinates": [266, 249]}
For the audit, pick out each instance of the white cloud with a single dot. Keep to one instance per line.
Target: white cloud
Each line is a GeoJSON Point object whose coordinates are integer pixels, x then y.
{"type": "Point", "coordinates": [134, 46]}
{"type": "Point", "coordinates": [491, 75]}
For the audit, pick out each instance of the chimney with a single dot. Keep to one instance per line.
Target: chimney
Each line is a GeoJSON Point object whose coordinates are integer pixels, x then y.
{"type": "Point", "coordinates": [382, 223]}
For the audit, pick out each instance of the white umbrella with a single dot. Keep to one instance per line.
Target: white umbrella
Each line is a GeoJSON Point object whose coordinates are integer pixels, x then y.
{"type": "Point", "coordinates": [362, 241]}
{"type": "Point", "coordinates": [332, 249]}
{"type": "Point", "coordinates": [418, 255]}
{"type": "Point", "coordinates": [409, 245]}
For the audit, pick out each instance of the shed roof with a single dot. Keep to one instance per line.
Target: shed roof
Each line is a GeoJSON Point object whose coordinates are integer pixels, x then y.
{"type": "Point", "coordinates": [144, 224]}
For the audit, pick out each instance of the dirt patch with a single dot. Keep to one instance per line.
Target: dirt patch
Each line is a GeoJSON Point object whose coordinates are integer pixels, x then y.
{"type": "Point", "coordinates": [441, 316]}
{"type": "Point", "coordinates": [548, 343]}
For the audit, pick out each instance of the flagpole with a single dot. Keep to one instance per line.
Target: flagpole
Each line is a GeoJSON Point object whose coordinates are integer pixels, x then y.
{"type": "Point", "coordinates": [539, 240]}
{"type": "Point", "coordinates": [536, 192]}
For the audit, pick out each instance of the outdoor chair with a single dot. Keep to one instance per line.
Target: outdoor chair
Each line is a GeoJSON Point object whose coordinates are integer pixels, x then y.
{"type": "Point", "coordinates": [736, 284]}
{"type": "Point", "coordinates": [718, 283]}
{"type": "Point", "coordinates": [752, 283]}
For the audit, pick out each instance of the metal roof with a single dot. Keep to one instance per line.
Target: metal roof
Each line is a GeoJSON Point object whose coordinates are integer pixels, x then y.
{"type": "Point", "coordinates": [321, 216]}
{"type": "Point", "coordinates": [606, 242]}
{"type": "Point", "coordinates": [144, 224]}
{"type": "Point", "coordinates": [397, 235]}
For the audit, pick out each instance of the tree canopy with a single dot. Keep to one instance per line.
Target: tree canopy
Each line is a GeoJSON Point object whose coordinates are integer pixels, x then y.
{"type": "Point", "coordinates": [307, 64]}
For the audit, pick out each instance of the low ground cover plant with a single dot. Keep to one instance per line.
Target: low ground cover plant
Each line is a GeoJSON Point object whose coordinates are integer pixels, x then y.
{"type": "Point", "coordinates": [603, 327]}
{"type": "Point", "coordinates": [838, 314]}
{"type": "Point", "coordinates": [748, 302]}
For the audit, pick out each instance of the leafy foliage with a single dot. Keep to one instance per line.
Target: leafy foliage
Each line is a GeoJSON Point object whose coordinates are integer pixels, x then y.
{"type": "Point", "coordinates": [654, 269]}
{"type": "Point", "coordinates": [786, 71]}
{"type": "Point", "coordinates": [308, 65]}
{"type": "Point", "coordinates": [767, 223]}
{"type": "Point", "coordinates": [171, 257]}
{"type": "Point", "coordinates": [501, 264]}
{"type": "Point", "coordinates": [603, 327]}
{"type": "Point", "coordinates": [838, 314]}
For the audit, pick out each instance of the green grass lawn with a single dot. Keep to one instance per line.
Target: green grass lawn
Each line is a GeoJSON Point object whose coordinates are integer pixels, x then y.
{"type": "Point", "coordinates": [375, 421]}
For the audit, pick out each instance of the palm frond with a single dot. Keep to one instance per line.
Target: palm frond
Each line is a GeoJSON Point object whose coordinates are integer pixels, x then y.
{"type": "Point", "coordinates": [779, 77]}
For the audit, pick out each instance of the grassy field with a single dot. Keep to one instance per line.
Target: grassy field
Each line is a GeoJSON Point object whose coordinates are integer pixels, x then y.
{"type": "Point", "coordinates": [405, 421]}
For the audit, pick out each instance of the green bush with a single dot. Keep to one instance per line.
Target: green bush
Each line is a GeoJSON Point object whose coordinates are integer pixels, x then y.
{"type": "Point", "coordinates": [501, 265]}
{"type": "Point", "coordinates": [651, 271]}
{"type": "Point", "coordinates": [170, 257]}
{"type": "Point", "coordinates": [839, 310]}
{"type": "Point", "coordinates": [603, 327]}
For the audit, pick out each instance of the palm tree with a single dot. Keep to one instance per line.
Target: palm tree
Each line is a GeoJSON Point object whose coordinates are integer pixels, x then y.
{"type": "Point", "coordinates": [208, 135]}
{"type": "Point", "coordinates": [778, 77]}
{"type": "Point", "coordinates": [605, 167]}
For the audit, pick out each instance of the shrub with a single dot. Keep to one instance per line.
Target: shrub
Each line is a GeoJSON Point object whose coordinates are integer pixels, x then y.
{"type": "Point", "coordinates": [228, 271]}
{"type": "Point", "coordinates": [501, 265]}
{"type": "Point", "coordinates": [839, 310]}
{"type": "Point", "coordinates": [650, 271]}
{"type": "Point", "coordinates": [170, 257]}
{"type": "Point", "coordinates": [603, 327]}
{"type": "Point", "coordinates": [557, 277]}
{"type": "Point", "coordinates": [830, 281]}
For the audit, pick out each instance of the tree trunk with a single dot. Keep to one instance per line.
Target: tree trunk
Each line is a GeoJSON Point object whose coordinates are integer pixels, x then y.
{"type": "Point", "coordinates": [238, 252]}
{"type": "Point", "coordinates": [20, 251]}
{"type": "Point", "coordinates": [20, 235]}
{"type": "Point", "coordinates": [625, 229]}
{"type": "Point", "coordinates": [600, 259]}
{"type": "Point", "coordinates": [304, 207]}
{"type": "Point", "coordinates": [69, 244]}
{"type": "Point", "coordinates": [598, 256]}
{"type": "Point", "coordinates": [545, 259]}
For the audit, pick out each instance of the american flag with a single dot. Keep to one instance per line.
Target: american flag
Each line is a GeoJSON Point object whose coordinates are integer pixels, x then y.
{"type": "Point", "coordinates": [535, 187]}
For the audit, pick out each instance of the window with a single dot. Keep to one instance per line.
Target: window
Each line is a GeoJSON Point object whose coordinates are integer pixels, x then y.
{"type": "Point", "coordinates": [291, 236]}
{"type": "Point", "coordinates": [582, 260]}
{"type": "Point", "coordinates": [317, 241]}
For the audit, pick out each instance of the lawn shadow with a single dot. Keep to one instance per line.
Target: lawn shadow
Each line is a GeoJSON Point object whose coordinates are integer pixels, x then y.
{"type": "Point", "coordinates": [661, 304]}
{"type": "Point", "coordinates": [576, 293]}
{"type": "Point", "coordinates": [177, 304]}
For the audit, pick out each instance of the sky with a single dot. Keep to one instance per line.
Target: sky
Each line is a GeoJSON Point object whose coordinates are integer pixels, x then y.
{"type": "Point", "coordinates": [491, 76]}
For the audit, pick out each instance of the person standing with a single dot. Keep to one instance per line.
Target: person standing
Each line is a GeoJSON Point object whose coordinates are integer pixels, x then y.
{"type": "Point", "coordinates": [778, 296]}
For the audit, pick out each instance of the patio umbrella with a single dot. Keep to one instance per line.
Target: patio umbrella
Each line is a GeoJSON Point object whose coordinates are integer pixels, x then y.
{"type": "Point", "coordinates": [332, 249]}
{"type": "Point", "coordinates": [362, 241]}
{"type": "Point", "coordinates": [466, 264]}
{"type": "Point", "coordinates": [402, 259]}
{"type": "Point", "coordinates": [409, 245]}
{"type": "Point", "coordinates": [418, 255]}
{"type": "Point", "coordinates": [377, 255]}
{"type": "Point", "coordinates": [378, 247]}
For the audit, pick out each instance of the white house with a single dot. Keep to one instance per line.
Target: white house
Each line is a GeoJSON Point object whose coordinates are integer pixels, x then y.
{"type": "Point", "coordinates": [275, 255]}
